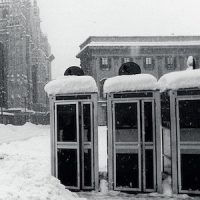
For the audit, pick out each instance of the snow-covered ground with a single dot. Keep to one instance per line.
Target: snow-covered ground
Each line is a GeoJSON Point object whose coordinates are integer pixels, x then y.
{"type": "Point", "coordinates": [25, 168]}
{"type": "Point", "coordinates": [25, 165]}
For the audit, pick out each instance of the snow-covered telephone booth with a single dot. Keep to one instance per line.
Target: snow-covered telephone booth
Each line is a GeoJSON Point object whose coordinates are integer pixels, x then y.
{"type": "Point", "coordinates": [74, 139]}
{"type": "Point", "coordinates": [134, 143]}
{"type": "Point", "coordinates": [180, 102]}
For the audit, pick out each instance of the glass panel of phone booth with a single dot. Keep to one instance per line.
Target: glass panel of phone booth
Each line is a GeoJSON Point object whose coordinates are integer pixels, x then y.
{"type": "Point", "coordinates": [67, 167]}
{"type": "Point", "coordinates": [126, 122]}
{"type": "Point", "coordinates": [148, 122]}
{"type": "Point", "coordinates": [87, 122]}
{"type": "Point", "coordinates": [149, 169]}
{"type": "Point", "coordinates": [148, 145]}
{"type": "Point", "coordinates": [188, 122]}
{"type": "Point", "coordinates": [87, 153]}
{"type": "Point", "coordinates": [67, 136]}
{"type": "Point", "coordinates": [66, 123]}
{"type": "Point", "coordinates": [87, 168]}
{"type": "Point", "coordinates": [190, 165]}
{"type": "Point", "coordinates": [127, 168]}
{"type": "Point", "coordinates": [127, 145]}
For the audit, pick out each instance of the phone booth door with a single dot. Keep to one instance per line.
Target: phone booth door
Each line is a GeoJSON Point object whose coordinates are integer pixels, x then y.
{"type": "Point", "coordinates": [134, 146]}
{"type": "Point", "coordinates": [74, 150]}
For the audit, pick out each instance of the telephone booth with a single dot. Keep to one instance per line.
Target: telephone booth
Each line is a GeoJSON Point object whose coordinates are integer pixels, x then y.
{"type": "Point", "coordinates": [74, 144]}
{"type": "Point", "coordinates": [134, 143]}
{"type": "Point", "coordinates": [180, 102]}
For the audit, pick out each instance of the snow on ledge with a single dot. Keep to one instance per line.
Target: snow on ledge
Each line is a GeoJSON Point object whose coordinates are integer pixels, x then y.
{"type": "Point", "coordinates": [130, 83]}
{"type": "Point", "coordinates": [71, 84]}
{"type": "Point", "coordinates": [180, 79]}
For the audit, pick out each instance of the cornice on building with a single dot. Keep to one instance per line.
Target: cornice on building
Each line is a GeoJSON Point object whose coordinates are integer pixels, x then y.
{"type": "Point", "coordinates": [138, 41]}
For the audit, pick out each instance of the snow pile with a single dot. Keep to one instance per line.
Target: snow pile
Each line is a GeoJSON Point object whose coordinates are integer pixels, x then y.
{"type": "Point", "coordinates": [103, 186]}
{"type": "Point", "coordinates": [180, 79]}
{"type": "Point", "coordinates": [166, 186]}
{"type": "Point", "coordinates": [25, 169]}
{"type": "Point", "coordinates": [10, 132]}
{"type": "Point", "coordinates": [130, 83]}
{"type": "Point", "coordinates": [71, 84]}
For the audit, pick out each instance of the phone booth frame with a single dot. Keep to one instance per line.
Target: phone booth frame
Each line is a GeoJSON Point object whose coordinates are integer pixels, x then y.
{"type": "Point", "coordinates": [176, 97]}
{"type": "Point", "coordinates": [78, 100]}
{"type": "Point", "coordinates": [140, 98]}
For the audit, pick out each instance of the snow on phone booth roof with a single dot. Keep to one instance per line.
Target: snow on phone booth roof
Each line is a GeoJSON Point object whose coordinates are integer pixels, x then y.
{"type": "Point", "coordinates": [71, 83]}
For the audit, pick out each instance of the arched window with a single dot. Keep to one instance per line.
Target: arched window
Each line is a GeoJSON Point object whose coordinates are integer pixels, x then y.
{"type": "Point", "coordinates": [129, 68]}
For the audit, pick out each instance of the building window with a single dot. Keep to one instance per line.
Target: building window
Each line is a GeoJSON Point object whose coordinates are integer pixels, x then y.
{"type": "Point", "coordinates": [105, 63]}
{"type": "Point", "coordinates": [125, 60]}
{"type": "Point", "coordinates": [149, 63]}
{"type": "Point", "coordinates": [170, 63]}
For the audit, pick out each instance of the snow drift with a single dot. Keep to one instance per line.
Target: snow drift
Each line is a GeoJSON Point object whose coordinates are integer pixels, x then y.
{"type": "Point", "coordinates": [25, 166]}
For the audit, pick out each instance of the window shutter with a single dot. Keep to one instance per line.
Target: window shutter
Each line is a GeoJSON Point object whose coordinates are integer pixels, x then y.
{"type": "Point", "coordinates": [174, 63]}
{"type": "Point", "coordinates": [100, 62]}
{"type": "Point", "coordinates": [166, 63]}
{"type": "Point", "coordinates": [144, 62]}
{"type": "Point", "coordinates": [109, 63]}
{"type": "Point", "coordinates": [196, 63]}
{"type": "Point", "coordinates": [152, 63]}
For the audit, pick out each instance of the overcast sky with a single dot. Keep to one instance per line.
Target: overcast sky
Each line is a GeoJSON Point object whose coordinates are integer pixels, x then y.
{"type": "Point", "coordinates": [69, 22]}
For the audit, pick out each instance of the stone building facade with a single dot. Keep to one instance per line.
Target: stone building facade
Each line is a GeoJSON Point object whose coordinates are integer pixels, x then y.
{"type": "Point", "coordinates": [101, 57]}
{"type": "Point", "coordinates": [25, 63]}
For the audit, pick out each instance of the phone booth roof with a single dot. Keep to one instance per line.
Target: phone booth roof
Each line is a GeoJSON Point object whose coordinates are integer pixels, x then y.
{"type": "Point", "coordinates": [180, 80]}
{"type": "Point", "coordinates": [130, 83]}
{"type": "Point", "coordinates": [71, 85]}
